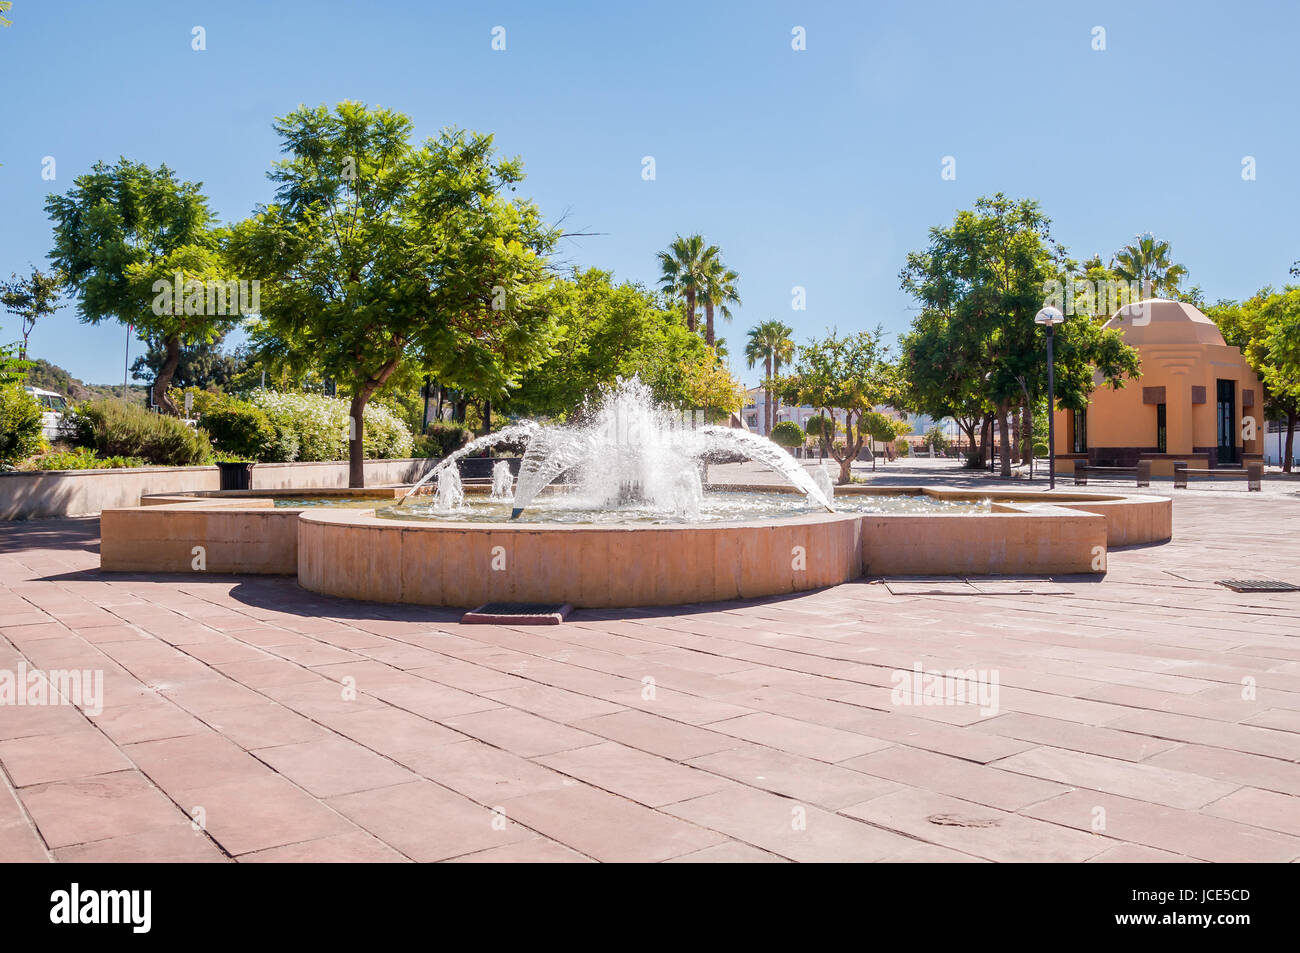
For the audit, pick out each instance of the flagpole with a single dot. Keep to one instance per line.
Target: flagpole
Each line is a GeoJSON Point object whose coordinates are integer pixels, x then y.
{"type": "Point", "coordinates": [126, 361]}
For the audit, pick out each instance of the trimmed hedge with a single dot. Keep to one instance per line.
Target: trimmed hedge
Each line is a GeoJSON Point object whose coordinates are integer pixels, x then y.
{"type": "Point", "coordinates": [788, 434]}
{"type": "Point", "coordinates": [241, 430]}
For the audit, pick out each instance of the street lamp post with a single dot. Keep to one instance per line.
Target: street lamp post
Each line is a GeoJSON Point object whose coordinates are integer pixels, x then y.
{"type": "Point", "coordinates": [1050, 317]}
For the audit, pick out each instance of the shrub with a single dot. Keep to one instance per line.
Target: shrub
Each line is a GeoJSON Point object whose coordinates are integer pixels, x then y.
{"type": "Point", "coordinates": [788, 434]}
{"type": "Point", "coordinates": [314, 427]}
{"type": "Point", "coordinates": [441, 439]}
{"type": "Point", "coordinates": [113, 428]}
{"type": "Point", "coordinates": [820, 425]}
{"type": "Point", "coordinates": [83, 458]}
{"type": "Point", "coordinates": [20, 424]}
{"type": "Point", "coordinates": [902, 447]}
{"type": "Point", "coordinates": [240, 429]}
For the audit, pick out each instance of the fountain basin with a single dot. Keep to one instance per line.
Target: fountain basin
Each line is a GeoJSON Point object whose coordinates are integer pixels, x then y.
{"type": "Point", "coordinates": [356, 554]}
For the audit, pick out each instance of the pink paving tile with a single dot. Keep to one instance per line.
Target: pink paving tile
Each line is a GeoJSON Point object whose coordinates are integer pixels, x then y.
{"type": "Point", "coordinates": [1137, 854]}
{"type": "Point", "coordinates": [1256, 808]}
{"type": "Point", "coordinates": [177, 843]}
{"type": "Point", "coordinates": [357, 847]}
{"type": "Point", "coordinates": [262, 725]}
{"type": "Point", "coordinates": [25, 721]}
{"type": "Point", "coordinates": [982, 784]}
{"type": "Point", "coordinates": [390, 731]}
{"type": "Point", "coordinates": [178, 764]}
{"type": "Point", "coordinates": [1205, 731]}
{"type": "Point", "coordinates": [538, 850]}
{"type": "Point", "coordinates": [519, 732]}
{"type": "Point", "coordinates": [429, 823]}
{"type": "Point", "coordinates": [93, 809]}
{"type": "Point", "coordinates": [799, 737]}
{"type": "Point", "coordinates": [1147, 781]}
{"type": "Point", "coordinates": [19, 842]}
{"type": "Point", "coordinates": [607, 827]}
{"type": "Point", "coordinates": [555, 704]}
{"type": "Point", "coordinates": [975, 829]}
{"type": "Point", "coordinates": [1233, 768]}
{"type": "Point", "coordinates": [333, 766]}
{"type": "Point", "coordinates": [1112, 741]}
{"type": "Point", "coordinates": [669, 739]}
{"type": "Point", "coordinates": [483, 773]}
{"type": "Point", "coordinates": [789, 828]}
{"type": "Point", "coordinates": [255, 814]}
{"type": "Point", "coordinates": [794, 776]}
{"type": "Point", "coordinates": [645, 778]}
{"type": "Point", "coordinates": [731, 852]}
{"type": "Point", "coordinates": [80, 753]}
{"type": "Point", "coordinates": [1165, 828]}
{"type": "Point", "coordinates": [149, 720]}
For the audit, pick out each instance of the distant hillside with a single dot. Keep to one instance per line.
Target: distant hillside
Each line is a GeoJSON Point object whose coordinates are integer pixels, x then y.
{"type": "Point", "coordinates": [49, 376]}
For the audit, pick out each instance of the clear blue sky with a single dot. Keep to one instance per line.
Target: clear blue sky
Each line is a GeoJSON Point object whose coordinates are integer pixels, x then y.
{"type": "Point", "coordinates": [818, 168]}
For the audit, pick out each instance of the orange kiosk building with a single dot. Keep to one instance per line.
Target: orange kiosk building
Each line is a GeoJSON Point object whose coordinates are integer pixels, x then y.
{"type": "Point", "coordinates": [1197, 400]}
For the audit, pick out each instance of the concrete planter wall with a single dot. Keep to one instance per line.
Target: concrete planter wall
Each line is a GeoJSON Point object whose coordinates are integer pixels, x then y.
{"type": "Point", "coordinates": [36, 495]}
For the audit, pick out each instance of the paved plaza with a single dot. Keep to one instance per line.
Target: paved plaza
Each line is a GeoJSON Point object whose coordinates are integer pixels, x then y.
{"type": "Point", "coordinates": [1149, 715]}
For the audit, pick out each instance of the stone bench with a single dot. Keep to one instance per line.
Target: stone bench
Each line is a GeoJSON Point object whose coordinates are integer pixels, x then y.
{"type": "Point", "coordinates": [1253, 472]}
{"type": "Point", "coordinates": [1142, 472]}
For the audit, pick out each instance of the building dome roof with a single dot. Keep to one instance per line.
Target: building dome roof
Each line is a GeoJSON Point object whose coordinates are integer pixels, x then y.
{"type": "Point", "coordinates": [1161, 321]}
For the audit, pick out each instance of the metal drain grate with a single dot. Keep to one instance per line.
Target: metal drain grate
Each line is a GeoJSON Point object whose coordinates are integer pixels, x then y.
{"type": "Point", "coordinates": [518, 613]}
{"type": "Point", "coordinates": [1257, 585]}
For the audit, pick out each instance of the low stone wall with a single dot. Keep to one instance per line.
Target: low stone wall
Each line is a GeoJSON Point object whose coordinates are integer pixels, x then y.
{"type": "Point", "coordinates": [223, 536]}
{"type": "Point", "coordinates": [39, 494]}
{"type": "Point", "coordinates": [360, 556]}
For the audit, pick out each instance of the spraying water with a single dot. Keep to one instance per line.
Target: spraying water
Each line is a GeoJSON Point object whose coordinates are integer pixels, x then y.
{"type": "Point", "coordinates": [825, 482]}
{"type": "Point", "coordinates": [629, 450]}
{"type": "Point", "coordinates": [503, 481]}
{"type": "Point", "coordinates": [450, 494]}
{"type": "Point", "coordinates": [514, 432]}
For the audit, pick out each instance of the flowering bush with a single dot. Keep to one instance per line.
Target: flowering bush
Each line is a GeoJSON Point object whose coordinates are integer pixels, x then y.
{"type": "Point", "coordinates": [314, 427]}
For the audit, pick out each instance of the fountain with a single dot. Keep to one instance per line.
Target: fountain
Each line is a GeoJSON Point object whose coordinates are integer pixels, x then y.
{"type": "Point", "coordinates": [503, 482]}
{"type": "Point", "coordinates": [450, 494]}
{"type": "Point", "coordinates": [626, 453]}
{"type": "Point", "coordinates": [822, 477]}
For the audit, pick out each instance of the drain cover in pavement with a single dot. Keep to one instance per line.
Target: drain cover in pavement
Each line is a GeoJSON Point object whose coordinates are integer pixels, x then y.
{"type": "Point", "coordinates": [518, 613]}
{"type": "Point", "coordinates": [1257, 585]}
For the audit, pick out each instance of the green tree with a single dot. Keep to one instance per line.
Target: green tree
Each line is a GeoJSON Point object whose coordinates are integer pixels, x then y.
{"type": "Point", "coordinates": [138, 246]}
{"type": "Point", "coordinates": [1267, 330]}
{"type": "Point", "coordinates": [769, 344]}
{"type": "Point", "coordinates": [203, 364]}
{"type": "Point", "coordinates": [980, 282]}
{"type": "Point", "coordinates": [850, 374]}
{"type": "Point", "coordinates": [684, 270]}
{"type": "Point", "coordinates": [377, 252]}
{"type": "Point", "coordinates": [29, 299]}
{"type": "Point", "coordinates": [1148, 263]}
{"type": "Point", "coordinates": [719, 292]}
{"type": "Point", "coordinates": [606, 331]}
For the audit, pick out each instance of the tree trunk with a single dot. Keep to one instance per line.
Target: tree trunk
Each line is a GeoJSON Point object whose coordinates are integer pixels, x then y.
{"type": "Point", "coordinates": [487, 417]}
{"type": "Point", "coordinates": [1027, 432]}
{"type": "Point", "coordinates": [690, 311]}
{"type": "Point", "coordinates": [1289, 443]}
{"type": "Point", "coordinates": [986, 439]}
{"type": "Point", "coordinates": [356, 441]}
{"type": "Point", "coordinates": [165, 374]}
{"type": "Point", "coordinates": [1015, 437]}
{"type": "Point", "coordinates": [767, 398]}
{"type": "Point", "coordinates": [708, 323]}
{"type": "Point", "coordinates": [1005, 434]}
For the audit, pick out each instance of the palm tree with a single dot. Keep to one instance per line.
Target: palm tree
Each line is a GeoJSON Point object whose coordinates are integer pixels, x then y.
{"type": "Point", "coordinates": [684, 267]}
{"type": "Point", "coordinates": [770, 344]}
{"type": "Point", "coordinates": [718, 291]}
{"type": "Point", "coordinates": [1148, 263]}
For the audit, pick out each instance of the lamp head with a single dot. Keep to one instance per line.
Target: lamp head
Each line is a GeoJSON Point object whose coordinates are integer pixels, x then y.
{"type": "Point", "coordinates": [1049, 316]}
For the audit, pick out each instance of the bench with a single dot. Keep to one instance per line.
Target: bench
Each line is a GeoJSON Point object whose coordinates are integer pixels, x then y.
{"type": "Point", "coordinates": [1142, 472]}
{"type": "Point", "coordinates": [1253, 472]}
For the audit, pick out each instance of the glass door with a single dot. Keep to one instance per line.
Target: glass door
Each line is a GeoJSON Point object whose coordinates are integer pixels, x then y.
{"type": "Point", "coordinates": [1226, 412]}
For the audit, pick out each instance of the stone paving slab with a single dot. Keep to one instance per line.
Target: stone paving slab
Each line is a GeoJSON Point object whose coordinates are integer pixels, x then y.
{"type": "Point", "coordinates": [1148, 716]}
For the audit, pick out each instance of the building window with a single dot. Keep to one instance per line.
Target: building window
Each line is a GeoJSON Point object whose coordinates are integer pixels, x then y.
{"type": "Point", "coordinates": [1080, 431]}
{"type": "Point", "coordinates": [1160, 429]}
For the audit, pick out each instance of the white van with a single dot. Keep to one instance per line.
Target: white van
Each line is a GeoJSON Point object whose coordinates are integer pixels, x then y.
{"type": "Point", "coordinates": [53, 408]}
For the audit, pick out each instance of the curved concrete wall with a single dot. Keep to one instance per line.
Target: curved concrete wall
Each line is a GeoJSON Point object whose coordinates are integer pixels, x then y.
{"type": "Point", "coordinates": [360, 556]}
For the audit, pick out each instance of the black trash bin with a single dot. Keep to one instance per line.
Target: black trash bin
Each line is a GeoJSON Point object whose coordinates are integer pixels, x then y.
{"type": "Point", "coordinates": [236, 476]}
